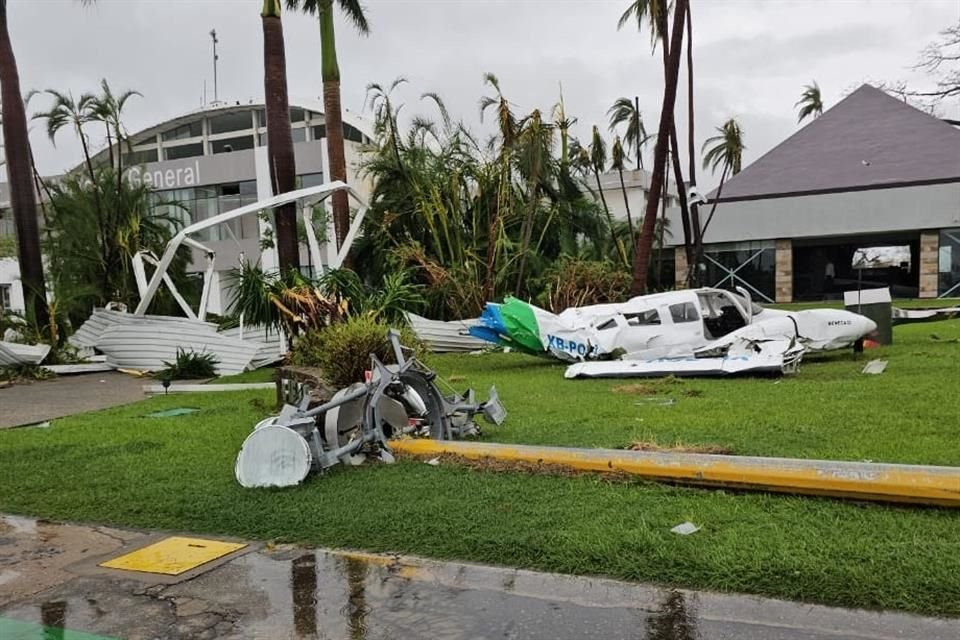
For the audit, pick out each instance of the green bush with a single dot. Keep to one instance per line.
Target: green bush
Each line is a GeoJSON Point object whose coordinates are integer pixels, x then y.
{"type": "Point", "coordinates": [343, 350]}
{"type": "Point", "coordinates": [576, 283]}
{"type": "Point", "coordinates": [190, 365]}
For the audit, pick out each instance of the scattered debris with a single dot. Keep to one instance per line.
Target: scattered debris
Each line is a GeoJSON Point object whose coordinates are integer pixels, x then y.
{"type": "Point", "coordinates": [456, 378]}
{"type": "Point", "coordinates": [358, 421]}
{"type": "Point", "coordinates": [159, 389]}
{"type": "Point", "coordinates": [875, 367]}
{"type": "Point", "coordinates": [433, 462]}
{"type": "Point", "coordinates": [657, 400]}
{"type": "Point", "coordinates": [639, 389]}
{"type": "Point", "coordinates": [685, 529]}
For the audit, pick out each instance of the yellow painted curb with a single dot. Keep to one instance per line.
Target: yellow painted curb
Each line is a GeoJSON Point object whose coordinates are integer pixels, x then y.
{"type": "Point", "coordinates": [917, 484]}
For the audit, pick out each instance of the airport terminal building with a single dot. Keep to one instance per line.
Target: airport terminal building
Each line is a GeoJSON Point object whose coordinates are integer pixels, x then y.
{"type": "Point", "coordinates": [210, 161]}
{"type": "Point", "coordinates": [868, 193]}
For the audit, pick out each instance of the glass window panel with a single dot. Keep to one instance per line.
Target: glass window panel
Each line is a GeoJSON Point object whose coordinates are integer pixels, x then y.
{"type": "Point", "coordinates": [297, 114]}
{"type": "Point", "coordinates": [140, 157]}
{"type": "Point", "coordinates": [319, 131]}
{"type": "Point", "coordinates": [299, 134]}
{"type": "Point", "coordinates": [183, 151]}
{"type": "Point", "coordinates": [261, 117]}
{"type": "Point", "coordinates": [310, 180]}
{"type": "Point", "coordinates": [189, 130]}
{"type": "Point", "coordinates": [231, 122]}
{"type": "Point", "coordinates": [228, 145]}
{"type": "Point", "coordinates": [751, 265]}
{"type": "Point", "coordinates": [684, 312]}
{"type": "Point", "coordinates": [248, 187]}
{"type": "Point", "coordinates": [351, 133]}
{"type": "Point", "coordinates": [948, 259]}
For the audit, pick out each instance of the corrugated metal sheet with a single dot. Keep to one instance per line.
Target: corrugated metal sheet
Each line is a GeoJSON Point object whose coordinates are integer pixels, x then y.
{"type": "Point", "coordinates": [268, 344]}
{"type": "Point", "coordinates": [446, 336]}
{"type": "Point", "coordinates": [146, 343]}
{"type": "Point", "coordinates": [13, 353]}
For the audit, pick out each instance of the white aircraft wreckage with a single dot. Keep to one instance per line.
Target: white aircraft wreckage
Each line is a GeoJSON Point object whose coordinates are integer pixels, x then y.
{"type": "Point", "coordinates": [145, 342]}
{"type": "Point", "coordinates": [690, 332]}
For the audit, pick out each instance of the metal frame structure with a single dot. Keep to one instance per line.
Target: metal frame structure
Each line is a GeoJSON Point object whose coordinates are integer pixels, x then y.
{"type": "Point", "coordinates": [309, 196]}
{"type": "Point", "coordinates": [731, 274]}
{"type": "Point", "coordinates": [955, 287]}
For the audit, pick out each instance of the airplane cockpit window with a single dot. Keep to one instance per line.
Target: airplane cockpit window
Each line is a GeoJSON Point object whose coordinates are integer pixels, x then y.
{"type": "Point", "coordinates": [642, 319]}
{"type": "Point", "coordinates": [684, 312]}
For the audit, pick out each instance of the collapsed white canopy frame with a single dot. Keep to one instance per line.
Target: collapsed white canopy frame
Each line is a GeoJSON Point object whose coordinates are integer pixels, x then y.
{"type": "Point", "coordinates": [309, 196]}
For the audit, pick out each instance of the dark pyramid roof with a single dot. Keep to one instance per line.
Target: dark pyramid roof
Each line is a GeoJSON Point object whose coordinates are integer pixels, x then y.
{"type": "Point", "coordinates": [901, 145]}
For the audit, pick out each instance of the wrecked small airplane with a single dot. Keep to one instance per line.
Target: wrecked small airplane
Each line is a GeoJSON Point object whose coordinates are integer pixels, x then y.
{"type": "Point", "coordinates": [690, 332]}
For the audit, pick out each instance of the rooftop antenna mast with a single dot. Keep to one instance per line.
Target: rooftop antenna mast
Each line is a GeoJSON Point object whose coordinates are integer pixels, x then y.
{"type": "Point", "coordinates": [213, 36]}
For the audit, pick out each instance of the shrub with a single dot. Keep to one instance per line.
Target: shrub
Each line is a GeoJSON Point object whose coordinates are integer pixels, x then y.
{"type": "Point", "coordinates": [190, 365]}
{"type": "Point", "coordinates": [577, 283]}
{"type": "Point", "coordinates": [343, 350]}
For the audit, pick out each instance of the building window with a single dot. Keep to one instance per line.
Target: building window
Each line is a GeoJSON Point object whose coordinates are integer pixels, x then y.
{"type": "Point", "coordinates": [298, 134]}
{"type": "Point", "coordinates": [319, 131]}
{"type": "Point", "coordinates": [141, 157]}
{"type": "Point", "coordinates": [297, 114]}
{"type": "Point", "coordinates": [231, 144]}
{"type": "Point", "coordinates": [5, 297]}
{"type": "Point", "coordinates": [189, 130]}
{"type": "Point", "coordinates": [751, 265]}
{"type": "Point", "coordinates": [230, 122]}
{"type": "Point", "coordinates": [183, 151]}
{"type": "Point", "coordinates": [352, 133]}
{"type": "Point", "coordinates": [948, 260]}
{"type": "Point", "coordinates": [309, 180]}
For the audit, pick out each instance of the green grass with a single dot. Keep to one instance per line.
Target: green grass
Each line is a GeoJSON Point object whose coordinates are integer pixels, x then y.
{"type": "Point", "coordinates": [257, 375]}
{"type": "Point", "coordinates": [119, 468]}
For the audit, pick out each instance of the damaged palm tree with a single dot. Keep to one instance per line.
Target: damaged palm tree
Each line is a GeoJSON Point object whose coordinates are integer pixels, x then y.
{"type": "Point", "coordinates": [358, 421]}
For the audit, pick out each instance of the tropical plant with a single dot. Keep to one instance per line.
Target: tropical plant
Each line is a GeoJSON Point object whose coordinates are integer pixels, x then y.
{"type": "Point", "coordinates": [281, 300]}
{"type": "Point", "coordinates": [627, 110]}
{"type": "Point", "coordinates": [190, 365]}
{"type": "Point", "coordinates": [343, 350]}
{"type": "Point", "coordinates": [598, 165]}
{"type": "Point", "coordinates": [93, 233]}
{"type": "Point", "coordinates": [333, 118]}
{"type": "Point", "coordinates": [810, 102]}
{"type": "Point", "coordinates": [572, 282]}
{"type": "Point", "coordinates": [724, 150]}
{"type": "Point", "coordinates": [616, 162]}
{"type": "Point", "coordinates": [69, 112]}
{"type": "Point", "coordinates": [389, 301]}
{"type": "Point", "coordinates": [20, 177]}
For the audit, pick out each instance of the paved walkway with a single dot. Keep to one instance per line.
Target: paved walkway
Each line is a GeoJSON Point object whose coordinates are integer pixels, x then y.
{"type": "Point", "coordinates": [49, 579]}
{"type": "Point", "coordinates": [66, 395]}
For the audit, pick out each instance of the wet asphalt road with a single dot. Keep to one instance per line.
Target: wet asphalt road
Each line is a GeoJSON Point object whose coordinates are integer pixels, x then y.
{"type": "Point", "coordinates": [49, 578]}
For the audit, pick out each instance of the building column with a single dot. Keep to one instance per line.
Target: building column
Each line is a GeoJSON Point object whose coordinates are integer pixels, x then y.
{"type": "Point", "coordinates": [783, 281]}
{"type": "Point", "coordinates": [680, 267]}
{"type": "Point", "coordinates": [929, 263]}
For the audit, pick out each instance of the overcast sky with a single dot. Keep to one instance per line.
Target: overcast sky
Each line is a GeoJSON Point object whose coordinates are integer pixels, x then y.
{"type": "Point", "coordinates": [751, 57]}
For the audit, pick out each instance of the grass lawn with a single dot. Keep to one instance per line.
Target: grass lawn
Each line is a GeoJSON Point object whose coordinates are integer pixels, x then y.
{"type": "Point", "coordinates": [121, 468]}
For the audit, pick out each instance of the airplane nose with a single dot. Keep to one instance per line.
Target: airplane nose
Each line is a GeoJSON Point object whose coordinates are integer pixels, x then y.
{"type": "Point", "coordinates": [867, 326]}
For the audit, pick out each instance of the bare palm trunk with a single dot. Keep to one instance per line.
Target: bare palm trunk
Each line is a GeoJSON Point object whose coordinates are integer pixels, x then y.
{"type": "Point", "coordinates": [626, 203]}
{"type": "Point", "coordinates": [641, 263]}
{"type": "Point", "coordinates": [333, 118]}
{"type": "Point", "coordinates": [283, 171]}
{"type": "Point", "coordinates": [681, 196]}
{"type": "Point", "coordinates": [606, 209]}
{"type": "Point", "coordinates": [19, 176]}
{"type": "Point", "coordinates": [636, 106]}
{"type": "Point", "coordinates": [695, 252]}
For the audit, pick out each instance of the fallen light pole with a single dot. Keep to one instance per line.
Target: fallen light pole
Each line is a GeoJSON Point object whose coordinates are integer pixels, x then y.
{"type": "Point", "coordinates": [916, 484]}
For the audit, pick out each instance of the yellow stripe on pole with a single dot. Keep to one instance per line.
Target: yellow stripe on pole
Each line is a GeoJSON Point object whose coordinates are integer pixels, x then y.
{"type": "Point", "coordinates": [917, 484]}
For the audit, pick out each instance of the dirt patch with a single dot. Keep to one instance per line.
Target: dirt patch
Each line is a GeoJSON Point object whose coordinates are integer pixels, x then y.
{"type": "Point", "coordinates": [679, 447]}
{"type": "Point", "coordinates": [490, 464]}
{"type": "Point", "coordinates": [638, 388]}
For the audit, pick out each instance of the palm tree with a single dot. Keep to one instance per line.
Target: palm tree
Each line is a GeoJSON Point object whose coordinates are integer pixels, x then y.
{"type": "Point", "coordinates": [726, 151]}
{"type": "Point", "coordinates": [616, 162]}
{"type": "Point", "coordinates": [507, 124]}
{"type": "Point", "coordinates": [283, 168]}
{"type": "Point", "coordinates": [563, 124]}
{"type": "Point", "coordinates": [535, 154]}
{"type": "Point", "coordinates": [641, 262]}
{"type": "Point", "coordinates": [108, 108]}
{"type": "Point", "coordinates": [333, 118]}
{"type": "Point", "coordinates": [66, 111]}
{"type": "Point", "coordinates": [627, 110]}
{"type": "Point", "coordinates": [652, 11]}
{"type": "Point", "coordinates": [692, 242]}
{"type": "Point", "coordinates": [810, 102]}
{"type": "Point", "coordinates": [20, 178]}
{"type": "Point", "coordinates": [598, 164]}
